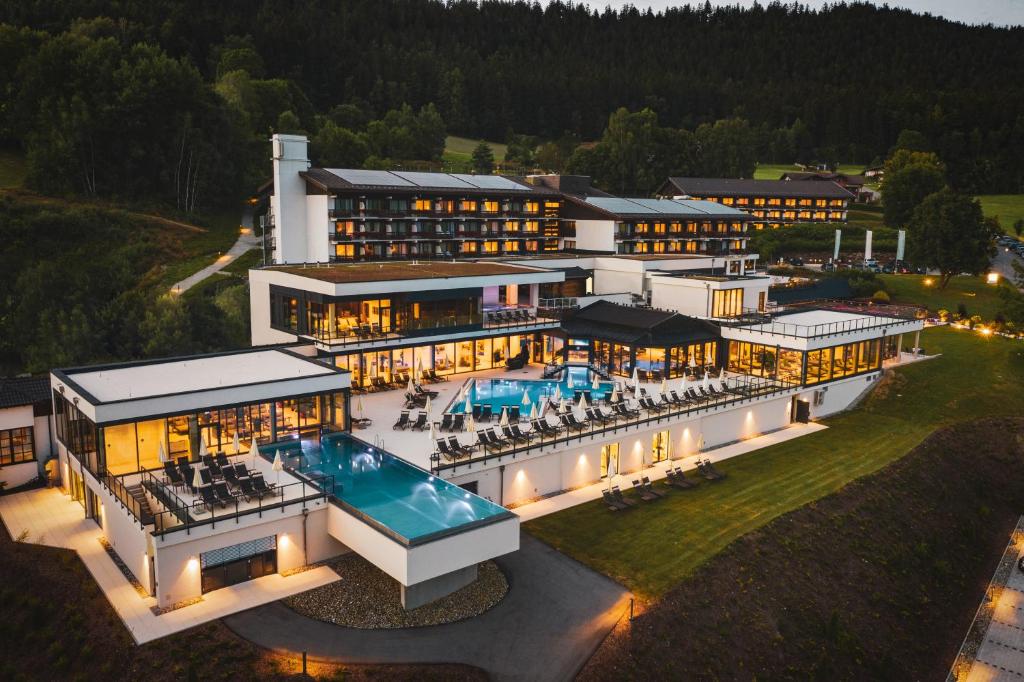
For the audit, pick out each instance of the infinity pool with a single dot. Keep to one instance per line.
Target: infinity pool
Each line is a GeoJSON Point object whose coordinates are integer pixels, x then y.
{"type": "Point", "coordinates": [403, 498]}
{"type": "Point", "coordinates": [499, 393]}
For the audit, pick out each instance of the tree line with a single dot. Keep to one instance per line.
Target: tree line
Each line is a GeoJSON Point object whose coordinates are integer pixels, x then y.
{"type": "Point", "coordinates": [849, 77]}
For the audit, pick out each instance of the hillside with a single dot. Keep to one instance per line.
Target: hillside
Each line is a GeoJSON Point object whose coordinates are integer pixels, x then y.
{"type": "Point", "coordinates": [91, 282]}
{"type": "Point", "coordinates": [877, 581]}
{"type": "Point", "coordinates": [842, 81]}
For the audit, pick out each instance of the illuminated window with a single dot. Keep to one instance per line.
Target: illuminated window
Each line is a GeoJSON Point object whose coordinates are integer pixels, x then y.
{"type": "Point", "coordinates": [790, 202]}
{"type": "Point", "coordinates": [491, 247]}
{"type": "Point", "coordinates": [511, 246]}
{"type": "Point", "coordinates": [344, 251]}
{"type": "Point", "coordinates": [531, 226]}
{"type": "Point", "coordinates": [759, 201]}
{"type": "Point", "coordinates": [820, 203]}
{"type": "Point", "coordinates": [641, 228]}
{"type": "Point", "coordinates": [805, 202]}
{"type": "Point", "coordinates": [774, 202]}
{"type": "Point", "coordinates": [742, 201]}
{"type": "Point", "coordinates": [727, 303]}
{"type": "Point", "coordinates": [468, 205]}
{"type": "Point", "coordinates": [691, 227]}
{"type": "Point", "coordinates": [676, 228]}
{"type": "Point", "coordinates": [490, 207]}
{"type": "Point", "coordinates": [804, 215]}
{"type": "Point", "coordinates": [819, 215]}
{"type": "Point", "coordinates": [659, 228]}
{"type": "Point", "coordinates": [422, 205]}
{"type": "Point", "coordinates": [728, 201]}
{"type": "Point", "coordinates": [511, 225]}
{"type": "Point", "coordinates": [16, 445]}
{"type": "Point", "coordinates": [531, 207]}
{"type": "Point", "coordinates": [469, 247]}
{"type": "Point", "coordinates": [344, 228]}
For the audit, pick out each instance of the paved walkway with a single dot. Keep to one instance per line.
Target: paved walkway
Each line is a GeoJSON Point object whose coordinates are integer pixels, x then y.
{"type": "Point", "coordinates": [550, 505]}
{"type": "Point", "coordinates": [246, 242]}
{"type": "Point", "coordinates": [554, 617]}
{"type": "Point", "coordinates": [54, 519]}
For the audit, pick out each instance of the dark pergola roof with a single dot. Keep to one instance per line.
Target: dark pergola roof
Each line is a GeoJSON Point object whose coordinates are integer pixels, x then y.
{"type": "Point", "coordinates": [637, 326]}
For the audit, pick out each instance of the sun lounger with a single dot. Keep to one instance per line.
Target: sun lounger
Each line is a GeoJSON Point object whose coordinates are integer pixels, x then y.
{"type": "Point", "coordinates": [172, 476]}
{"type": "Point", "coordinates": [645, 495]}
{"type": "Point", "coordinates": [486, 413]}
{"type": "Point", "coordinates": [210, 499]}
{"type": "Point", "coordinates": [649, 487]}
{"type": "Point", "coordinates": [403, 421]}
{"type": "Point", "coordinates": [262, 486]}
{"type": "Point", "coordinates": [617, 494]}
{"type": "Point", "coordinates": [249, 490]}
{"type": "Point", "coordinates": [222, 460]}
{"type": "Point", "coordinates": [221, 491]}
{"type": "Point", "coordinates": [442, 447]}
{"type": "Point", "coordinates": [422, 391]}
{"type": "Point", "coordinates": [527, 436]}
{"type": "Point", "coordinates": [612, 503]}
{"type": "Point", "coordinates": [421, 423]}
{"type": "Point", "coordinates": [446, 422]}
{"type": "Point", "coordinates": [714, 472]}
{"type": "Point", "coordinates": [673, 479]}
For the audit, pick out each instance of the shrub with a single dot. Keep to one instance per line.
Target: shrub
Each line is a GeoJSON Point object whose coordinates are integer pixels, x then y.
{"type": "Point", "coordinates": [880, 297]}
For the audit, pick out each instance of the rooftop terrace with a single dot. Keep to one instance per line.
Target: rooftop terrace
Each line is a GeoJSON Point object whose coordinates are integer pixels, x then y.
{"type": "Point", "coordinates": [344, 273]}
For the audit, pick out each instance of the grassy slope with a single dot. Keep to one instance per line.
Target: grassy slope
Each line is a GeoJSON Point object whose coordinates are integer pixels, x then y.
{"type": "Point", "coordinates": [1007, 207]}
{"type": "Point", "coordinates": [876, 582]}
{"type": "Point", "coordinates": [12, 169]}
{"type": "Point", "coordinates": [772, 171]}
{"type": "Point", "coordinates": [461, 149]}
{"type": "Point", "coordinates": [978, 297]}
{"type": "Point", "coordinates": [654, 547]}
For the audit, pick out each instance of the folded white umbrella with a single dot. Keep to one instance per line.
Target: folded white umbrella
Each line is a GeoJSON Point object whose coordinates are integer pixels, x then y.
{"type": "Point", "coordinates": [161, 453]}
{"type": "Point", "coordinates": [558, 393]}
{"type": "Point", "coordinates": [596, 385]}
{"type": "Point", "coordinates": [636, 377]}
{"type": "Point", "coordinates": [692, 362]}
{"type": "Point", "coordinates": [254, 449]}
{"type": "Point", "coordinates": [197, 480]}
{"type": "Point", "coordinates": [569, 383]}
{"type": "Point", "coordinates": [526, 399]}
{"type": "Point", "coordinates": [664, 386]}
{"type": "Point", "coordinates": [236, 443]}
{"type": "Point", "coordinates": [433, 433]}
{"type": "Point", "coordinates": [278, 465]}
{"type": "Point", "coordinates": [583, 402]}
{"type": "Point", "coordinates": [616, 396]}
{"type": "Point", "coordinates": [359, 405]}
{"type": "Point", "coordinates": [468, 410]}
{"type": "Point", "coordinates": [533, 412]}
{"type": "Point", "coordinates": [426, 405]}
{"type": "Point", "coordinates": [503, 422]}
{"type": "Point", "coordinates": [203, 452]}
{"type": "Point", "coordinates": [707, 380]}
{"type": "Point", "coordinates": [470, 425]}
{"type": "Point", "coordinates": [411, 386]}
{"type": "Point", "coordinates": [562, 405]}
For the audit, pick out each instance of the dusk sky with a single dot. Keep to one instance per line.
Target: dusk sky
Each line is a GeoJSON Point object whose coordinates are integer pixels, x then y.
{"type": "Point", "coordinates": [998, 12]}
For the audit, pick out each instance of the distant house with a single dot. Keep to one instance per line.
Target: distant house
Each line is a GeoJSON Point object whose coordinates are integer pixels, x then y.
{"type": "Point", "coordinates": [853, 183]}
{"type": "Point", "coordinates": [772, 203]}
{"type": "Point", "coordinates": [874, 172]}
{"type": "Point", "coordinates": [25, 410]}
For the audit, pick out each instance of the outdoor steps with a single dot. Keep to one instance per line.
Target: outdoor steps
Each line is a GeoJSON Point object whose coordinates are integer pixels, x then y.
{"type": "Point", "coordinates": [139, 493]}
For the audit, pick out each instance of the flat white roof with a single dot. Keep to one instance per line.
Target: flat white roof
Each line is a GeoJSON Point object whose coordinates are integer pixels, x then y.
{"type": "Point", "coordinates": [188, 375]}
{"type": "Point", "coordinates": [812, 317]}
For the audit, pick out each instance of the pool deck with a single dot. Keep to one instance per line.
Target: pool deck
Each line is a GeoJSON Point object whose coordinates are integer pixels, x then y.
{"type": "Point", "coordinates": [415, 446]}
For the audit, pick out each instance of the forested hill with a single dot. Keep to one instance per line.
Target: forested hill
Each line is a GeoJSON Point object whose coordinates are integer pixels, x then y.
{"type": "Point", "coordinates": [845, 80]}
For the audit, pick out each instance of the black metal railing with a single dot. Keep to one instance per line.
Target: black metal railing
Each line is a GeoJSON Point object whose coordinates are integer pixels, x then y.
{"type": "Point", "coordinates": [744, 390]}
{"type": "Point", "coordinates": [185, 517]}
{"type": "Point", "coordinates": [127, 500]}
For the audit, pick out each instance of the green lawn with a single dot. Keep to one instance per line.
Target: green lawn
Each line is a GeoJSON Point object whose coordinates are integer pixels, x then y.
{"type": "Point", "coordinates": [772, 171]}
{"type": "Point", "coordinates": [651, 548]}
{"type": "Point", "coordinates": [12, 169]}
{"type": "Point", "coordinates": [461, 149]}
{"type": "Point", "coordinates": [978, 297]}
{"type": "Point", "coordinates": [1007, 207]}
{"type": "Point", "coordinates": [865, 215]}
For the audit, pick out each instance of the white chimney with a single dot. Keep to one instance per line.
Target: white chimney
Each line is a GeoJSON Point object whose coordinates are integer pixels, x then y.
{"type": "Point", "coordinates": [288, 202]}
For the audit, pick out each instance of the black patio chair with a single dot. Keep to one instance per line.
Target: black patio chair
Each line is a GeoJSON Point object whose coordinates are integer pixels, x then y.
{"type": "Point", "coordinates": [486, 413]}
{"type": "Point", "coordinates": [262, 486]}
{"type": "Point", "coordinates": [458, 448]}
{"type": "Point", "coordinates": [645, 495]}
{"type": "Point", "coordinates": [210, 499]}
{"type": "Point", "coordinates": [611, 502]}
{"type": "Point", "coordinates": [421, 422]}
{"type": "Point", "coordinates": [617, 494]}
{"type": "Point", "coordinates": [222, 493]}
{"type": "Point", "coordinates": [446, 422]}
{"type": "Point", "coordinates": [403, 421]}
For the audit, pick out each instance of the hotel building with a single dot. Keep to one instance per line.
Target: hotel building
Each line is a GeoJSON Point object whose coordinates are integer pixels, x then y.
{"type": "Point", "coordinates": [402, 408]}
{"type": "Point", "coordinates": [771, 203]}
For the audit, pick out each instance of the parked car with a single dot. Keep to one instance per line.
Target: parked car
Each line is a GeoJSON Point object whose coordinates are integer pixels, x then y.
{"type": "Point", "coordinates": [795, 262]}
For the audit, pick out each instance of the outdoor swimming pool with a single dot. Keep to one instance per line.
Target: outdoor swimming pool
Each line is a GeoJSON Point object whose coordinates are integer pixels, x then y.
{"type": "Point", "coordinates": [389, 491]}
{"type": "Point", "coordinates": [499, 393]}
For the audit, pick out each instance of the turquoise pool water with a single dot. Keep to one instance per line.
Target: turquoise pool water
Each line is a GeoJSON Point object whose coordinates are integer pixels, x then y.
{"type": "Point", "coordinates": [500, 393]}
{"type": "Point", "coordinates": [407, 500]}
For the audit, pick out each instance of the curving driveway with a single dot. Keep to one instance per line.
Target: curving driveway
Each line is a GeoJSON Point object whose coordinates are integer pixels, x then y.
{"type": "Point", "coordinates": [553, 618]}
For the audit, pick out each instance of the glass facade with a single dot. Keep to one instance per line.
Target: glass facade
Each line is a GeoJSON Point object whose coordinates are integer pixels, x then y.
{"type": "Point", "coordinates": [673, 361]}
{"type": "Point", "coordinates": [444, 358]}
{"type": "Point", "coordinates": [786, 364]}
{"type": "Point", "coordinates": [134, 446]}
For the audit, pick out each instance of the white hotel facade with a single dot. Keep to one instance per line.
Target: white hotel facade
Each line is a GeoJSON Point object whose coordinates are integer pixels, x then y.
{"type": "Point", "coordinates": [357, 316]}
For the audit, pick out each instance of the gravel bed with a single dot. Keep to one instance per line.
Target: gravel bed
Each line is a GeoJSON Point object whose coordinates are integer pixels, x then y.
{"type": "Point", "coordinates": [369, 599]}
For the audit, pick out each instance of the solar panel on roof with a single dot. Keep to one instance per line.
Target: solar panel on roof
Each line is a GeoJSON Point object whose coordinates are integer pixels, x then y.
{"type": "Point", "coordinates": [617, 205]}
{"type": "Point", "coordinates": [489, 181]}
{"type": "Point", "coordinates": [433, 180]}
{"type": "Point", "coordinates": [358, 176]}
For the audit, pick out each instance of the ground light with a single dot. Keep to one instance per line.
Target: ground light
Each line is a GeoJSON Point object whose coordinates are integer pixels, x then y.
{"type": "Point", "coordinates": [992, 278]}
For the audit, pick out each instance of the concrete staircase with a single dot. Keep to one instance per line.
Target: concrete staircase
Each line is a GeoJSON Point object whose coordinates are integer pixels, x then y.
{"type": "Point", "coordinates": [139, 493]}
